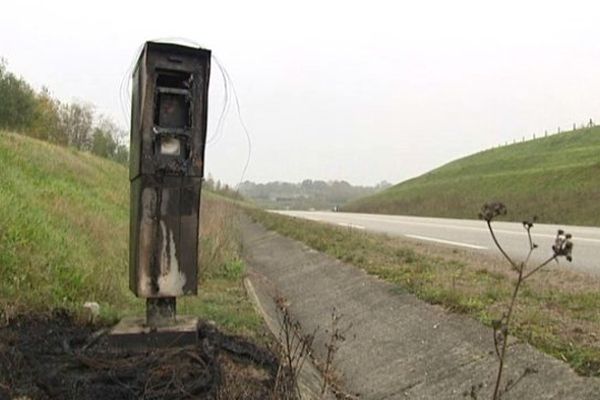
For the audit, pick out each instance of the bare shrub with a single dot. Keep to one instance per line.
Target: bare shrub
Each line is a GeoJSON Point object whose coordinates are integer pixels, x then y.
{"type": "Point", "coordinates": [336, 336]}
{"type": "Point", "coordinates": [562, 247]}
{"type": "Point", "coordinates": [295, 347]}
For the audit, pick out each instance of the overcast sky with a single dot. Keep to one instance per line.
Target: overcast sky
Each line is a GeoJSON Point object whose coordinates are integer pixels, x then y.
{"type": "Point", "coordinates": [361, 91]}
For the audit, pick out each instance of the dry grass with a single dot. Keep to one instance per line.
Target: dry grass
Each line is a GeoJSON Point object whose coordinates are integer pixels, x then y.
{"type": "Point", "coordinates": [243, 382]}
{"type": "Point", "coordinates": [219, 237]}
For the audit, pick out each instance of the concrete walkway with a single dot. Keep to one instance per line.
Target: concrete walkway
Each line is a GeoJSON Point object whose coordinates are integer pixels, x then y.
{"type": "Point", "coordinates": [398, 346]}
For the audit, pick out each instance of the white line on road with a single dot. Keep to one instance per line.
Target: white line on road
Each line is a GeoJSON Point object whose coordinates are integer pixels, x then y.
{"type": "Point", "coordinates": [471, 246]}
{"type": "Point", "coordinates": [350, 225]}
{"type": "Point", "coordinates": [519, 232]}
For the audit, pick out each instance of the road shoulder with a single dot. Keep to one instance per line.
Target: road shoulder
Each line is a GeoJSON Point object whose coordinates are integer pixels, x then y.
{"type": "Point", "coordinates": [398, 347]}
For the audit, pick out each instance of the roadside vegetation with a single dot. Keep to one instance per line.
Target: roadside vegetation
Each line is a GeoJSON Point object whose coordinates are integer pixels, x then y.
{"type": "Point", "coordinates": [557, 310]}
{"type": "Point", "coordinates": [502, 329]}
{"type": "Point", "coordinates": [64, 221]}
{"type": "Point", "coordinates": [40, 115]}
{"type": "Point", "coordinates": [556, 178]}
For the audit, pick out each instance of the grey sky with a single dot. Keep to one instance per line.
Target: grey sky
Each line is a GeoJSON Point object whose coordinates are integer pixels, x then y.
{"type": "Point", "coordinates": [361, 91]}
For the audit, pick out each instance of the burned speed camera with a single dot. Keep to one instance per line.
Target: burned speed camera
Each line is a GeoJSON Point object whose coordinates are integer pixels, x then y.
{"type": "Point", "coordinates": [168, 132]}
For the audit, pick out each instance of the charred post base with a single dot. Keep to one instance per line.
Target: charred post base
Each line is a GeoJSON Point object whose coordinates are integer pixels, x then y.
{"type": "Point", "coordinates": [161, 311]}
{"type": "Point", "coordinates": [135, 334]}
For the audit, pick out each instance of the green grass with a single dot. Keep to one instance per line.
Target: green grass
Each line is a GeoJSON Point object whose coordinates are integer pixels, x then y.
{"type": "Point", "coordinates": [64, 222]}
{"type": "Point", "coordinates": [556, 178]}
{"type": "Point", "coordinates": [557, 310]}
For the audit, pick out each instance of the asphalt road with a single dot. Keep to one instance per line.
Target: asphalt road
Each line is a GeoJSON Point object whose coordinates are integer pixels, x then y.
{"type": "Point", "coordinates": [473, 234]}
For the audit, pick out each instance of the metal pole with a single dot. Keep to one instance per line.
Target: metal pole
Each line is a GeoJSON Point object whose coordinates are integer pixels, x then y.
{"type": "Point", "coordinates": [161, 311]}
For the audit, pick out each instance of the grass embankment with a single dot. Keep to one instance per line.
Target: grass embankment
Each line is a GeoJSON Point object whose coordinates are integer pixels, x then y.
{"type": "Point", "coordinates": [556, 178]}
{"type": "Point", "coordinates": [557, 311]}
{"type": "Point", "coordinates": [64, 220]}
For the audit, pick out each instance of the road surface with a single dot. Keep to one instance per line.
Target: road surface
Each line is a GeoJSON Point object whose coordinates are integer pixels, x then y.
{"type": "Point", "coordinates": [473, 234]}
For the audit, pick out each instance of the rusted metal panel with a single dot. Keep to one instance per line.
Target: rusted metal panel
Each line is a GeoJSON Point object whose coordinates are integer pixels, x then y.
{"type": "Point", "coordinates": [168, 132]}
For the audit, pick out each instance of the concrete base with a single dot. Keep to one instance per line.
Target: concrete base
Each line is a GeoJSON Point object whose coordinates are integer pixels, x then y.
{"type": "Point", "coordinates": [132, 332]}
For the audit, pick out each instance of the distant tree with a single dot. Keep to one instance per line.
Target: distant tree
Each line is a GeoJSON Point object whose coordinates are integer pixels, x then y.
{"type": "Point", "coordinates": [223, 189]}
{"type": "Point", "coordinates": [45, 124]}
{"type": "Point", "coordinates": [17, 101]}
{"type": "Point", "coordinates": [103, 144]}
{"type": "Point", "coordinates": [209, 182]}
{"type": "Point", "coordinates": [385, 184]}
{"type": "Point", "coordinates": [121, 154]}
{"type": "Point", "coordinates": [307, 194]}
{"type": "Point", "coordinates": [76, 121]}
{"type": "Point", "coordinates": [41, 116]}
{"type": "Point", "coordinates": [306, 185]}
{"type": "Point", "coordinates": [106, 137]}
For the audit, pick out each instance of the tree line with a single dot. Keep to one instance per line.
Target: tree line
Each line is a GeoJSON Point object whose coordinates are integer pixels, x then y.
{"type": "Point", "coordinates": [221, 188]}
{"type": "Point", "coordinates": [308, 194]}
{"type": "Point", "coordinates": [37, 114]}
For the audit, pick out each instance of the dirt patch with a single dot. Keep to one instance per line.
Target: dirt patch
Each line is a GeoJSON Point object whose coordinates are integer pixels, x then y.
{"type": "Point", "coordinates": [54, 357]}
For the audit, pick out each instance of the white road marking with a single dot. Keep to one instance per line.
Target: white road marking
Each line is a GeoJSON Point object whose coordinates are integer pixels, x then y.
{"type": "Point", "coordinates": [381, 219]}
{"type": "Point", "coordinates": [430, 239]}
{"type": "Point", "coordinates": [351, 225]}
{"type": "Point", "coordinates": [546, 235]}
{"type": "Point", "coordinates": [325, 217]}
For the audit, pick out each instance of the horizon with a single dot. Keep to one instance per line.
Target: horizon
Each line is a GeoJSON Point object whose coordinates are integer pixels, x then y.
{"type": "Point", "coordinates": [336, 91]}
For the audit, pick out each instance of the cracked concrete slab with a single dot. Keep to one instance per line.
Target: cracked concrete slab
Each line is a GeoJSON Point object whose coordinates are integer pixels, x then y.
{"type": "Point", "coordinates": [398, 346]}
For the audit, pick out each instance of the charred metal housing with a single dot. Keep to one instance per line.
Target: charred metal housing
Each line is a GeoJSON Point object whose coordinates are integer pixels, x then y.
{"type": "Point", "coordinates": [168, 132]}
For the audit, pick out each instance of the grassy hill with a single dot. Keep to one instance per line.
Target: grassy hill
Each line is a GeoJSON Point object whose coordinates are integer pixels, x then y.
{"type": "Point", "coordinates": [556, 178]}
{"type": "Point", "coordinates": [64, 221]}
